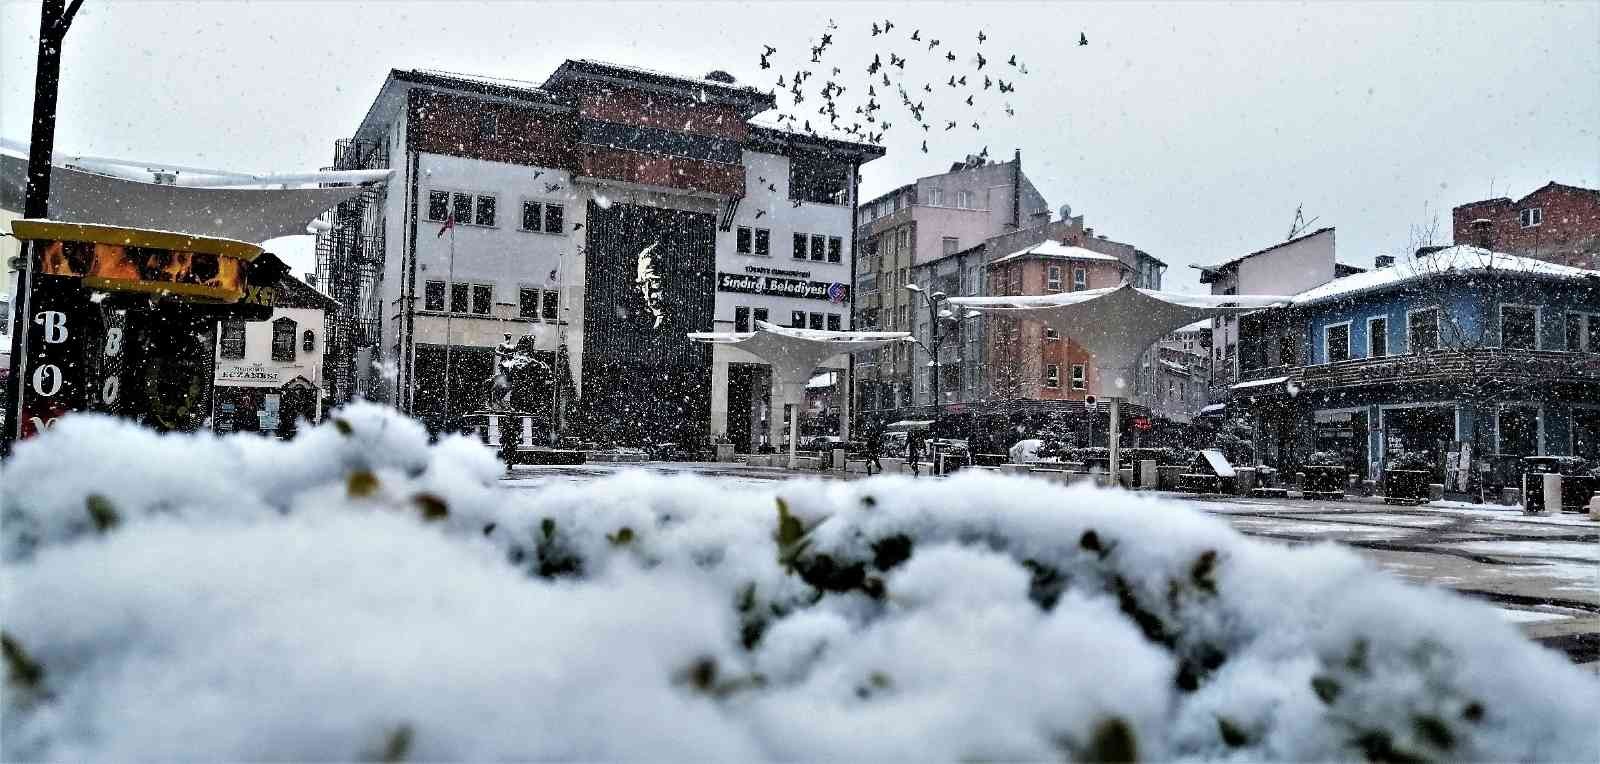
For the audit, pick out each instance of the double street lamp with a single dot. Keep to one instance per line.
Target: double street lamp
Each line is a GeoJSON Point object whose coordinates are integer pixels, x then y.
{"type": "Point", "coordinates": [936, 334]}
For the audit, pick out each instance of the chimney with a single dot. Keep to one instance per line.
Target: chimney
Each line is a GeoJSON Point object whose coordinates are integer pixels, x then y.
{"type": "Point", "coordinates": [1483, 232]}
{"type": "Point", "coordinates": [1383, 261]}
{"type": "Point", "coordinates": [1016, 191]}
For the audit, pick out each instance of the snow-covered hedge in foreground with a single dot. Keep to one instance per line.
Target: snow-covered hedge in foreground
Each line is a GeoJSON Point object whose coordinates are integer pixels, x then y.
{"type": "Point", "coordinates": [357, 593]}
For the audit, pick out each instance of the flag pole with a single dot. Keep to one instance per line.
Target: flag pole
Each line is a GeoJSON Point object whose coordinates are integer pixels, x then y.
{"type": "Point", "coordinates": [450, 312]}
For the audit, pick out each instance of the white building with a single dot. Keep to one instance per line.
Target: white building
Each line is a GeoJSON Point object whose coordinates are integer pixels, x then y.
{"type": "Point", "coordinates": [269, 373]}
{"type": "Point", "coordinates": [604, 213]}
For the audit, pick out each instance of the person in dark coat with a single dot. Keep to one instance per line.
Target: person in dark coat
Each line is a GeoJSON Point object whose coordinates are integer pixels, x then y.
{"type": "Point", "coordinates": [914, 444]}
{"type": "Point", "coordinates": [874, 450]}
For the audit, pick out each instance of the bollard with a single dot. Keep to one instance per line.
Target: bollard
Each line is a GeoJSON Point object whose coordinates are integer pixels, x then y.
{"type": "Point", "coordinates": [1552, 494]}
{"type": "Point", "coordinates": [1510, 496]}
{"type": "Point", "coordinates": [1594, 507]}
{"type": "Point", "coordinates": [1147, 474]}
{"type": "Point", "coordinates": [838, 458]}
{"type": "Point", "coordinates": [1435, 491]}
{"type": "Point", "coordinates": [1125, 477]}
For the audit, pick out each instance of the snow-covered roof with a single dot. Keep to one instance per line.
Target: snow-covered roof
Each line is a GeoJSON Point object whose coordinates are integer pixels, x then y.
{"type": "Point", "coordinates": [1203, 325]}
{"type": "Point", "coordinates": [1457, 259]}
{"type": "Point", "coordinates": [1056, 250]}
{"type": "Point", "coordinates": [820, 381]}
{"type": "Point", "coordinates": [1260, 383]}
{"type": "Point", "coordinates": [504, 82]}
{"type": "Point", "coordinates": [1213, 408]}
{"type": "Point", "coordinates": [1175, 366]}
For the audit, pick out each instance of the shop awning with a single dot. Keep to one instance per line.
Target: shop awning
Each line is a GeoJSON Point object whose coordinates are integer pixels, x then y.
{"type": "Point", "coordinates": [1258, 383]}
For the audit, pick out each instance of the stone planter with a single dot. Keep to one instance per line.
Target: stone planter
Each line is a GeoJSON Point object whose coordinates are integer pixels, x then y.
{"type": "Point", "coordinates": [1167, 477]}
{"type": "Point", "coordinates": [1405, 486]}
{"type": "Point", "coordinates": [724, 452]}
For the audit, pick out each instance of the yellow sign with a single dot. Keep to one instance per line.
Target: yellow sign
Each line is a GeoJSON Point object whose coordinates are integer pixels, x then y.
{"type": "Point", "coordinates": [131, 259]}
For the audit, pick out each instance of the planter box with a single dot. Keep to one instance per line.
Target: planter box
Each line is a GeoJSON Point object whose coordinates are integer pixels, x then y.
{"type": "Point", "coordinates": [1325, 481]}
{"type": "Point", "coordinates": [724, 452]}
{"type": "Point", "coordinates": [1193, 482]}
{"type": "Point", "coordinates": [1406, 486]}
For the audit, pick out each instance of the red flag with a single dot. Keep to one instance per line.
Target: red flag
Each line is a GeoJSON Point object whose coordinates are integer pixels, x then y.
{"type": "Point", "coordinates": [449, 223]}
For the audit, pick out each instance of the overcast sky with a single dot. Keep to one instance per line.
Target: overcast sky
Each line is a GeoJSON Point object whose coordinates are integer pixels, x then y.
{"type": "Point", "coordinates": [1190, 130]}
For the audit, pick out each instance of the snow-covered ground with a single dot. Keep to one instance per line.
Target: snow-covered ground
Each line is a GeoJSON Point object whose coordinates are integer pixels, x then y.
{"type": "Point", "coordinates": [359, 593]}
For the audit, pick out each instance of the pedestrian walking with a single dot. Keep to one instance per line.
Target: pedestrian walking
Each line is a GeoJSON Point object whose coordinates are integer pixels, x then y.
{"type": "Point", "coordinates": [874, 450]}
{"type": "Point", "coordinates": [914, 443]}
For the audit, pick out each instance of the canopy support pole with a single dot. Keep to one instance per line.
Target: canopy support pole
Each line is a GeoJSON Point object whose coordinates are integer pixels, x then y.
{"type": "Point", "coordinates": [1114, 431]}
{"type": "Point", "coordinates": [794, 433]}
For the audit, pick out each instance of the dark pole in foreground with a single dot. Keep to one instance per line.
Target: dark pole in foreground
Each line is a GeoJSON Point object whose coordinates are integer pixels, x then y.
{"type": "Point", "coordinates": [55, 16]}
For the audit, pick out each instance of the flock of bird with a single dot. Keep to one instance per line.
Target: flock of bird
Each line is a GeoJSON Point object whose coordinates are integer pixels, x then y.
{"type": "Point", "coordinates": [868, 121]}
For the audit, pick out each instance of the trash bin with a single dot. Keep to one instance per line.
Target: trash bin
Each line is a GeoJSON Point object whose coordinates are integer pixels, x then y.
{"type": "Point", "coordinates": [1535, 466]}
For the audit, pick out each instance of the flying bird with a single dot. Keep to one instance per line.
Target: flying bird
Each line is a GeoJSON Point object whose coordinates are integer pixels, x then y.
{"type": "Point", "coordinates": [981, 37]}
{"type": "Point", "coordinates": [924, 146]}
{"type": "Point", "coordinates": [887, 25]}
{"type": "Point", "coordinates": [963, 79]}
{"type": "Point", "coordinates": [933, 44]}
{"type": "Point", "coordinates": [975, 126]}
{"type": "Point", "coordinates": [969, 100]}
{"type": "Point", "coordinates": [981, 61]}
{"type": "Point", "coordinates": [952, 82]}
{"type": "Point", "coordinates": [987, 82]}
{"type": "Point", "coordinates": [916, 35]}
{"type": "Point", "coordinates": [1083, 39]}
{"type": "Point", "coordinates": [984, 154]}
{"type": "Point", "coordinates": [770, 50]}
{"type": "Point", "coordinates": [1010, 112]}
{"type": "Point", "coordinates": [948, 126]}
{"type": "Point", "coordinates": [760, 213]}
{"type": "Point", "coordinates": [576, 227]}
{"type": "Point", "coordinates": [551, 188]}
{"type": "Point", "coordinates": [951, 56]}
{"type": "Point", "coordinates": [875, 30]}
{"type": "Point", "coordinates": [877, 63]}
{"type": "Point", "coordinates": [926, 88]}
{"type": "Point", "coordinates": [773, 187]}
{"type": "Point", "coordinates": [1013, 60]}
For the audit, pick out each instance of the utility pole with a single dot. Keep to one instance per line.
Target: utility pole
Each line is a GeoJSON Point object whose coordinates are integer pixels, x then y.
{"type": "Point", "coordinates": [55, 17]}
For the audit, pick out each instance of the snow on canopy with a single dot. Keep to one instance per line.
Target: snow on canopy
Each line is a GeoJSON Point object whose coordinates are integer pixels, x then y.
{"type": "Point", "coordinates": [1460, 259]}
{"type": "Point", "coordinates": [360, 593]}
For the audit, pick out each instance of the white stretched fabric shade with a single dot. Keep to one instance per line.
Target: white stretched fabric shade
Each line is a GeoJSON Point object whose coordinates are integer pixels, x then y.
{"type": "Point", "coordinates": [795, 353]}
{"type": "Point", "coordinates": [252, 215]}
{"type": "Point", "coordinates": [1116, 324]}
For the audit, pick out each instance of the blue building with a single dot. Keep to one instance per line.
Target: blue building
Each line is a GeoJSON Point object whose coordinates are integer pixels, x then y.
{"type": "Point", "coordinates": [1471, 356]}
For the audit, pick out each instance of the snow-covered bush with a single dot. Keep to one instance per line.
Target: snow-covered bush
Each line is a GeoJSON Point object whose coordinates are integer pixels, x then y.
{"type": "Point", "coordinates": [360, 593]}
{"type": "Point", "coordinates": [1409, 460]}
{"type": "Point", "coordinates": [1326, 459]}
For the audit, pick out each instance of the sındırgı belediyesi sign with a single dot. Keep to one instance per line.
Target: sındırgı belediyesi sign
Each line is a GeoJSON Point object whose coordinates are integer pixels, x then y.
{"type": "Point", "coordinates": [782, 287]}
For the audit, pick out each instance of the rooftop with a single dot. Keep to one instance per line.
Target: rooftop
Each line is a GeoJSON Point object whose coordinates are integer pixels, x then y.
{"type": "Point", "coordinates": [1237, 260]}
{"type": "Point", "coordinates": [1457, 259]}
{"type": "Point", "coordinates": [573, 71]}
{"type": "Point", "coordinates": [1057, 251]}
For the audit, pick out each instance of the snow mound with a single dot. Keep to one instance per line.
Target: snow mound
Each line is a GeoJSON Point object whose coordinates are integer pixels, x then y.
{"type": "Point", "coordinates": [360, 593]}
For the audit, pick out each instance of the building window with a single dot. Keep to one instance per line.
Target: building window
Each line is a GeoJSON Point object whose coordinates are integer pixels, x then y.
{"type": "Point", "coordinates": [797, 319]}
{"type": "Point", "coordinates": [1532, 216]}
{"type": "Point", "coordinates": [1583, 332]}
{"type": "Point", "coordinates": [834, 322]}
{"type": "Point", "coordinates": [1051, 334]}
{"type": "Point", "coordinates": [1052, 376]}
{"type": "Point", "coordinates": [819, 179]}
{"type": "Point", "coordinates": [461, 207]}
{"type": "Point", "coordinates": [487, 125]}
{"type": "Point", "coordinates": [232, 339]}
{"type": "Point", "coordinates": [283, 336]}
{"type": "Point", "coordinates": [800, 246]}
{"type": "Point", "coordinates": [763, 242]}
{"type": "Point", "coordinates": [936, 197]}
{"type": "Point", "coordinates": [438, 205]}
{"type": "Point", "coordinates": [903, 239]}
{"type": "Point", "coordinates": [741, 319]}
{"type": "Point", "coordinates": [1422, 330]}
{"type": "Point", "coordinates": [1080, 279]}
{"type": "Point", "coordinates": [551, 305]}
{"type": "Point", "coordinates": [759, 315]}
{"type": "Point", "coordinates": [819, 248]}
{"type": "Point", "coordinates": [458, 298]}
{"type": "Point", "coordinates": [433, 295]}
{"type": "Point", "coordinates": [950, 244]}
{"type": "Point", "coordinates": [816, 321]}
{"type": "Point", "coordinates": [744, 241]}
{"type": "Point", "coordinates": [485, 211]}
{"type": "Point", "coordinates": [540, 217]}
{"type": "Point", "coordinates": [1518, 431]}
{"type": "Point", "coordinates": [1519, 327]}
{"type": "Point", "coordinates": [308, 341]}
{"type": "Point", "coordinates": [528, 303]}
{"type": "Point", "coordinates": [964, 199]}
{"type": "Point", "coordinates": [1052, 278]}
{"type": "Point", "coordinates": [835, 249]}
{"type": "Point", "coordinates": [1078, 377]}
{"type": "Point", "coordinates": [482, 299]}
{"type": "Point", "coordinates": [1336, 342]}
{"type": "Point", "coordinates": [1377, 337]}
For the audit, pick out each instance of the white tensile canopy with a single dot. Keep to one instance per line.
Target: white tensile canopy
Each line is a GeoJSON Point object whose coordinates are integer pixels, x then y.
{"type": "Point", "coordinates": [795, 354]}
{"type": "Point", "coordinates": [114, 196]}
{"type": "Point", "coordinates": [1116, 325]}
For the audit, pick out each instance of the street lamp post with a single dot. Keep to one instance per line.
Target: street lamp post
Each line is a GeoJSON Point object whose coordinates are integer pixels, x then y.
{"type": "Point", "coordinates": [935, 337]}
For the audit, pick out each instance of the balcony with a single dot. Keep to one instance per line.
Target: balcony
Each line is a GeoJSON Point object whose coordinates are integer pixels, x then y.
{"type": "Point", "coordinates": [1484, 365]}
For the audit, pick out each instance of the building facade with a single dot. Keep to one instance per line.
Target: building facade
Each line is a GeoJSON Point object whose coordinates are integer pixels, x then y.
{"type": "Point", "coordinates": [1457, 350]}
{"type": "Point", "coordinates": [1556, 223]}
{"type": "Point", "coordinates": [1288, 268]}
{"type": "Point", "coordinates": [911, 228]}
{"type": "Point", "coordinates": [269, 373]}
{"type": "Point", "coordinates": [603, 214]}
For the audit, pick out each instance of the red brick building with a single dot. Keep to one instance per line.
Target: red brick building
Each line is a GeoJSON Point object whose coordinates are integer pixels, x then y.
{"type": "Point", "coordinates": [1029, 360]}
{"type": "Point", "coordinates": [1557, 223]}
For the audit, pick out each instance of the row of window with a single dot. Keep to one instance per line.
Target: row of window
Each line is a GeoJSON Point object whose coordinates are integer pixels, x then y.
{"type": "Point", "coordinates": [232, 340]}
{"type": "Point", "coordinates": [1052, 376]}
{"type": "Point", "coordinates": [1519, 330]}
{"type": "Point", "coordinates": [533, 303]}
{"type": "Point", "coordinates": [1052, 279]}
{"type": "Point", "coordinates": [744, 318]}
{"type": "Point", "coordinates": [480, 209]}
